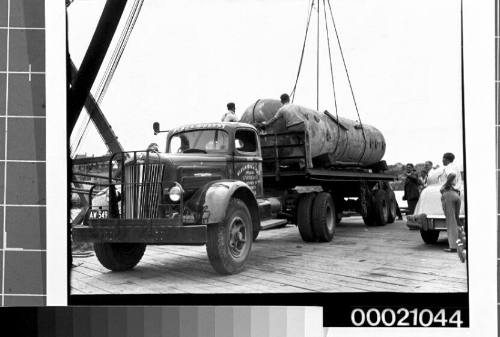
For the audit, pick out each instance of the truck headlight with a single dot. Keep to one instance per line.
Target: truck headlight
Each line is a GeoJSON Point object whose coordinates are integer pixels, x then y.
{"type": "Point", "coordinates": [175, 193]}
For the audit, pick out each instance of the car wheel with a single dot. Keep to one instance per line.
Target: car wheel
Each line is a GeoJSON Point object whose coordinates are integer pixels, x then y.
{"type": "Point", "coordinates": [430, 236]}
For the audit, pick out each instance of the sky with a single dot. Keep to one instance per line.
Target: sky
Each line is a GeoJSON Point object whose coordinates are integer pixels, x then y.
{"type": "Point", "coordinates": [186, 59]}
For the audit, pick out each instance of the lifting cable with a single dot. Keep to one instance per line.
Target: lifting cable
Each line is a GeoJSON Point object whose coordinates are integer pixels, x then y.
{"type": "Point", "coordinates": [317, 59]}
{"type": "Point", "coordinates": [345, 67]}
{"type": "Point", "coordinates": [111, 67]}
{"type": "Point", "coordinates": [348, 78]}
{"type": "Point", "coordinates": [331, 74]}
{"type": "Point", "coordinates": [292, 94]}
{"type": "Point", "coordinates": [118, 52]}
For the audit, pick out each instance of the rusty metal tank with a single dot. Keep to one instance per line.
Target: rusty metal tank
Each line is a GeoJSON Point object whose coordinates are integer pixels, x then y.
{"type": "Point", "coordinates": [331, 141]}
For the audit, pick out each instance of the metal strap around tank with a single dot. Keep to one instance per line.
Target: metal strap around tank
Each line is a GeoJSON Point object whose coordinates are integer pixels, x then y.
{"type": "Point", "coordinates": [253, 110]}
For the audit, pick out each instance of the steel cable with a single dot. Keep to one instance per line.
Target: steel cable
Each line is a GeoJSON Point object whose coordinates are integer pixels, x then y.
{"type": "Point", "coordinates": [111, 68]}
{"type": "Point", "coordinates": [292, 94]}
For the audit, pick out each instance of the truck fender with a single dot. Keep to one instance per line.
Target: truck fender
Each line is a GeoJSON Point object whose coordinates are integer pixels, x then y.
{"type": "Point", "coordinates": [209, 203]}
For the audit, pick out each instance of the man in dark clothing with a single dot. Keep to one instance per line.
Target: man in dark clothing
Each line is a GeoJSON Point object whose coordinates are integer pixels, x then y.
{"type": "Point", "coordinates": [412, 192]}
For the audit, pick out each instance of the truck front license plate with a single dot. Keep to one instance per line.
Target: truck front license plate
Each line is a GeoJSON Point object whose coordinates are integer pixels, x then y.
{"type": "Point", "coordinates": [98, 214]}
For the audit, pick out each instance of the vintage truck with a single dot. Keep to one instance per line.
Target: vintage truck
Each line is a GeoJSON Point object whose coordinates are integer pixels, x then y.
{"type": "Point", "coordinates": [218, 184]}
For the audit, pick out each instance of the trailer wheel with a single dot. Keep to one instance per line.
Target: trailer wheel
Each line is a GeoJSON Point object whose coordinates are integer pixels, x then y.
{"type": "Point", "coordinates": [338, 217]}
{"type": "Point", "coordinates": [229, 242]}
{"type": "Point", "coordinates": [429, 237]}
{"type": "Point", "coordinates": [381, 208]}
{"type": "Point", "coordinates": [119, 256]}
{"type": "Point", "coordinates": [304, 220]}
{"type": "Point", "coordinates": [323, 217]}
{"type": "Point", "coordinates": [391, 200]}
{"type": "Point", "coordinates": [370, 219]}
{"type": "Point", "coordinates": [366, 206]}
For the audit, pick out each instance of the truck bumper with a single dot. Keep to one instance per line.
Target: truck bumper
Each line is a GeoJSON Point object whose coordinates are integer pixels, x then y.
{"type": "Point", "coordinates": [422, 222]}
{"type": "Point", "coordinates": [150, 231]}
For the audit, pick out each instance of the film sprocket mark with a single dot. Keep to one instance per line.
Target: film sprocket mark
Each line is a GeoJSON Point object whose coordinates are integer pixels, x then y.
{"type": "Point", "coordinates": [403, 317]}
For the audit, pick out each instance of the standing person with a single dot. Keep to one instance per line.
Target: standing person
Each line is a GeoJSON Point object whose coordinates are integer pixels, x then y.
{"type": "Point", "coordinates": [230, 115]}
{"type": "Point", "coordinates": [411, 188]}
{"type": "Point", "coordinates": [450, 199]}
{"type": "Point", "coordinates": [293, 122]}
{"type": "Point", "coordinates": [285, 100]}
{"type": "Point", "coordinates": [424, 174]}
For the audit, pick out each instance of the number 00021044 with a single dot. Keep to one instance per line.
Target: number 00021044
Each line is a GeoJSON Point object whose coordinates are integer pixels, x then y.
{"type": "Point", "coordinates": [403, 317]}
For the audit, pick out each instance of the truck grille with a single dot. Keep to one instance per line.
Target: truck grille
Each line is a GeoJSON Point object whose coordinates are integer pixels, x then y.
{"type": "Point", "coordinates": [142, 190]}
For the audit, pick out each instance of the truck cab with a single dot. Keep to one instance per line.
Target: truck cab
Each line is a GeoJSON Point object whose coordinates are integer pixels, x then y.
{"type": "Point", "coordinates": [202, 190]}
{"type": "Point", "coordinates": [228, 150]}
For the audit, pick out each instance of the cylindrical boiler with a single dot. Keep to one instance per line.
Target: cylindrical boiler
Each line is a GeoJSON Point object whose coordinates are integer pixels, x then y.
{"type": "Point", "coordinates": [332, 141]}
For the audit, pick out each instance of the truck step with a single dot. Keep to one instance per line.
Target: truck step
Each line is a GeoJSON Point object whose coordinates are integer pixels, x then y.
{"type": "Point", "coordinates": [271, 223]}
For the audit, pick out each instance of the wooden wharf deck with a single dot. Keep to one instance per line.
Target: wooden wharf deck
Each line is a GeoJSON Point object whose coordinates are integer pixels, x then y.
{"type": "Point", "coordinates": [358, 259]}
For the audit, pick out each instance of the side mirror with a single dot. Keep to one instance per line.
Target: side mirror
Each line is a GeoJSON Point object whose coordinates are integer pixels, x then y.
{"type": "Point", "coordinates": [156, 128]}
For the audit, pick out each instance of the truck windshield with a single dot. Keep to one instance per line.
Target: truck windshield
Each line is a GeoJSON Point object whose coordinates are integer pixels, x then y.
{"type": "Point", "coordinates": [199, 141]}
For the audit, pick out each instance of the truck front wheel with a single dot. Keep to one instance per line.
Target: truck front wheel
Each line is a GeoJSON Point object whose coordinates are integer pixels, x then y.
{"type": "Point", "coordinates": [429, 237]}
{"type": "Point", "coordinates": [304, 217]}
{"type": "Point", "coordinates": [229, 242]}
{"type": "Point", "coordinates": [119, 256]}
{"type": "Point", "coordinates": [323, 217]}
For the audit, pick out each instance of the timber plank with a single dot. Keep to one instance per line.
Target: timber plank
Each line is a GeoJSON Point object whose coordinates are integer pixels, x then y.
{"type": "Point", "coordinates": [360, 258]}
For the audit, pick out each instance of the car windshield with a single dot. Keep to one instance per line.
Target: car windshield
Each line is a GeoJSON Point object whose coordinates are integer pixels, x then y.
{"type": "Point", "coordinates": [199, 141]}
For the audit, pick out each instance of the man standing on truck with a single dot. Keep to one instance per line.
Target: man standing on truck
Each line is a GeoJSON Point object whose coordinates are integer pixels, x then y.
{"type": "Point", "coordinates": [450, 199]}
{"type": "Point", "coordinates": [293, 121]}
{"type": "Point", "coordinates": [230, 115]}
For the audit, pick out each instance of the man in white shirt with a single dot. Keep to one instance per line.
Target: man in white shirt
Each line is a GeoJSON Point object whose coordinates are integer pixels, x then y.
{"type": "Point", "coordinates": [230, 115]}
{"type": "Point", "coordinates": [293, 122]}
{"type": "Point", "coordinates": [285, 100]}
{"type": "Point", "coordinates": [450, 199]}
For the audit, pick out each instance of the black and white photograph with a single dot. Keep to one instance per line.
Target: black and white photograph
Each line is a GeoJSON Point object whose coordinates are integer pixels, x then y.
{"type": "Point", "coordinates": [249, 168]}
{"type": "Point", "coordinates": [267, 147]}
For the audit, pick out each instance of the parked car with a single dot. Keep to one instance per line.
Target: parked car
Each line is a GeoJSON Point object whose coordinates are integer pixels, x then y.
{"type": "Point", "coordinates": [429, 215]}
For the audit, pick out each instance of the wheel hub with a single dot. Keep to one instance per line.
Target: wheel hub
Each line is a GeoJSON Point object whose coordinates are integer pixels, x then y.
{"type": "Point", "coordinates": [237, 237]}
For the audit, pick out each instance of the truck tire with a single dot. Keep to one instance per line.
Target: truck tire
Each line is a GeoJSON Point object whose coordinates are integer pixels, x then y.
{"type": "Point", "coordinates": [338, 218]}
{"type": "Point", "coordinates": [391, 200]}
{"type": "Point", "coordinates": [255, 234]}
{"type": "Point", "coordinates": [304, 217]}
{"type": "Point", "coordinates": [367, 206]}
{"type": "Point", "coordinates": [381, 208]}
{"type": "Point", "coordinates": [323, 217]}
{"type": "Point", "coordinates": [119, 256]}
{"type": "Point", "coordinates": [230, 241]}
{"type": "Point", "coordinates": [370, 219]}
{"type": "Point", "coordinates": [430, 236]}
